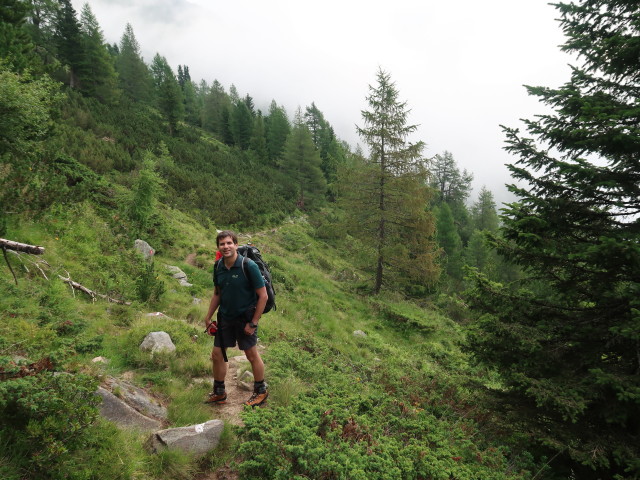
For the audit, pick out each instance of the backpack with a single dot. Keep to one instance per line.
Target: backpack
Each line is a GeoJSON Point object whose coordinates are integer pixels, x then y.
{"type": "Point", "coordinates": [252, 253]}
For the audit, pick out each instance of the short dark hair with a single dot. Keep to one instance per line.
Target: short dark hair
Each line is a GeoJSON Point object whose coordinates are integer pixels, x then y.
{"type": "Point", "coordinates": [225, 234]}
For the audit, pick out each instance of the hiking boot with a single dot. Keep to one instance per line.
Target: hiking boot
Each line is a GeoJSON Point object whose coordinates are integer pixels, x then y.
{"type": "Point", "coordinates": [216, 398]}
{"type": "Point", "coordinates": [257, 399]}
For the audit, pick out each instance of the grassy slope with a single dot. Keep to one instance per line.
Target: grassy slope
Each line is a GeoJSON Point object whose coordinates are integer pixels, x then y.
{"type": "Point", "coordinates": [392, 404]}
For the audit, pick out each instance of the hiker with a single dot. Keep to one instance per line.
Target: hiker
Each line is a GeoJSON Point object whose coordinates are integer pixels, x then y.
{"type": "Point", "coordinates": [240, 297]}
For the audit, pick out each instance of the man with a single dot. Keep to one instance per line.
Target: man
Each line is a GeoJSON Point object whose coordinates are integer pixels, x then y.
{"type": "Point", "coordinates": [240, 297]}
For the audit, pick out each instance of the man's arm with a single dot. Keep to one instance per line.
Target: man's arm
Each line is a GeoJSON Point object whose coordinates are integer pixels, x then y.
{"type": "Point", "coordinates": [260, 304]}
{"type": "Point", "coordinates": [213, 306]}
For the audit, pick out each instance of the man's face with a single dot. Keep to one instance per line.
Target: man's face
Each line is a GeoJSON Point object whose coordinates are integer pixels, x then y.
{"type": "Point", "coordinates": [227, 248]}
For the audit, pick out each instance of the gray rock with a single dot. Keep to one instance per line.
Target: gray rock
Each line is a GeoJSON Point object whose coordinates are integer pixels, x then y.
{"type": "Point", "coordinates": [157, 314]}
{"type": "Point", "coordinates": [156, 342]}
{"type": "Point", "coordinates": [179, 275]}
{"type": "Point", "coordinates": [195, 439]}
{"type": "Point", "coordinates": [144, 248]}
{"type": "Point", "coordinates": [245, 381]}
{"type": "Point", "coordinates": [137, 398]}
{"type": "Point", "coordinates": [197, 301]}
{"type": "Point", "coordinates": [100, 360]}
{"type": "Point", "coordinates": [117, 411]}
{"type": "Point", "coordinates": [359, 333]}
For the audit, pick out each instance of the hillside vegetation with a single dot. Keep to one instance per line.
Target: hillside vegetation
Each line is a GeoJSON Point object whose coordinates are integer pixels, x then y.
{"type": "Point", "coordinates": [396, 403]}
{"type": "Point", "coordinates": [487, 346]}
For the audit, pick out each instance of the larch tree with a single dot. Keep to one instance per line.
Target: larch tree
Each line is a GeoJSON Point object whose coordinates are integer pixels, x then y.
{"type": "Point", "coordinates": [567, 341]}
{"type": "Point", "coordinates": [386, 196]}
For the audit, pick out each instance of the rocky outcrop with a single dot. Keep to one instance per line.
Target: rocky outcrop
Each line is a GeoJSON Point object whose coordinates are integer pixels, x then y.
{"type": "Point", "coordinates": [114, 409]}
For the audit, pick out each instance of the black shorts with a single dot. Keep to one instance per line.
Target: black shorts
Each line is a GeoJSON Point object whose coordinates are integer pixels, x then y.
{"type": "Point", "coordinates": [231, 330]}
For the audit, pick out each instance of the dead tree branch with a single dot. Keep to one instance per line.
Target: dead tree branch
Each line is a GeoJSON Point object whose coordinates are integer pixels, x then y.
{"type": "Point", "coordinates": [21, 247]}
{"type": "Point", "coordinates": [91, 293]}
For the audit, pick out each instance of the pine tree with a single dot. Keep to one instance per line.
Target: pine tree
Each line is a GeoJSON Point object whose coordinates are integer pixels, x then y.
{"type": "Point", "coordinates": [386, 197]}
{"type": "Point", "coordinates": [567, 342]}
{"type": "Point", "coordinates": [301, 164]}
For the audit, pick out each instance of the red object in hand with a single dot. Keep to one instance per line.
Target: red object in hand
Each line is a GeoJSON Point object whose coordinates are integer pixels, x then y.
{"type": "Point", "coordinates": [212, 328]}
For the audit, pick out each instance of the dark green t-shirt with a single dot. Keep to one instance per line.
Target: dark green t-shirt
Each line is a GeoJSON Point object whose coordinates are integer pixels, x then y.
{"type": "Point", "coordinates": [237, 290]}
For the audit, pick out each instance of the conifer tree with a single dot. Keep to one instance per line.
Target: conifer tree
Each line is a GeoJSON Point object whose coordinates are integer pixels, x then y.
{"type": "Point", "coordinates": [15, 45]}
{"type": "Point", "coordinates": [301, 164]}
{"type": "Point", "coordinates": [168, 93]}
{"type": "Point", "coordinates": [567, 342]}
{"type": "Point", "coordinates": [96, 68]}
{"type": "Point", "coordinates": [449, 240]}
{"type": "Point", "coordinates": [386, 197]}
{"type": "Point", "coordinates": [278, 128]}
{"type": "Point", "coordinates": [483, 212]}
{"type": "Point", "coordinates": [216, 106]}
{"type": "Point", "coordinates": [241, 124]}
{"type": "Point", "coordinates": [69, 46]}
{"type": "Point", "coordinates": [258, 138]}
{"type": "Point", "coordinates": [134, 75]}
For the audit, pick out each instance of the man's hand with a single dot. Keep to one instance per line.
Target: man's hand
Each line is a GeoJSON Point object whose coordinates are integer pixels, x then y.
{"type": "Point", "coordinates": [212, 328]}
{"type": "Point", "coordinates": [249, 329]}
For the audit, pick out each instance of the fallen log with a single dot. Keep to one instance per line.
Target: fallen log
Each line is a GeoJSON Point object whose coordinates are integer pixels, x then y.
{"type": "Point", "coordinates": [21, 247]}
{"type": "Point", "coordinates": [91, 293]}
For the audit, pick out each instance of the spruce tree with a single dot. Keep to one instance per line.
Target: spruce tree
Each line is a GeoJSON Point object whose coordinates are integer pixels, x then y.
{"type": "Point", "coordinates": [134, 75]}
{"type": "Point", "coordinates": [567, 341]}
{"type": "Point", "coordinates": [278, 128]}
{"type": "Point", "coordinates": [15, 45]}
{"type": "Point", "coordinates": [301, 164]}
{"type": "Point", "coordinates": [168, 93]}
{"type": "Point", "coordinates": [96, 69]}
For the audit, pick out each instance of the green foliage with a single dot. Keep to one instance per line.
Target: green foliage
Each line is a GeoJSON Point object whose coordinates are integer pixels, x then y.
{"type": "Point", "coordinates": [565, 339]}
{"type": "Point", "coordinates": [301, 164]}
{"type": "Point", "coordinates": [144, 195]}
{"type": "Point", "coordinates": [49, 428]}
{"type": "Point", "coordinates": [149, 286]}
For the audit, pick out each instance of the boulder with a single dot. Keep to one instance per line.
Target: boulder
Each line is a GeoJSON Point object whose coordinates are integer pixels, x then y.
{"type": "Point", "coordinates": [359, 333]}
{"type": "Point", "coordinates": [194, 439]}
{"type": "Point", "coordinates": [137, 398]}
{"type": "Point", "coordinates": [156, 342]}
{"type": "Point", "coordinates": [144, 248]}
{"type": "Point", "coordinates": [117, 411]}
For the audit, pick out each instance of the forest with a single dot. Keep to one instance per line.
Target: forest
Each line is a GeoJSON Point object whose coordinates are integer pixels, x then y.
{"type": "Point", "coordinates": [496, 343]}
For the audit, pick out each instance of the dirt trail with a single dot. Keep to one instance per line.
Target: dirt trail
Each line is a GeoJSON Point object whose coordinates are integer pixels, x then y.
{"type": "Point", "coordinates": [237, 392]}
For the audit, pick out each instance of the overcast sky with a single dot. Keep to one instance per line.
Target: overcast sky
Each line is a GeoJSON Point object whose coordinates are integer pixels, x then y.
{"type": "Point", "coordinates": [460, 65]}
